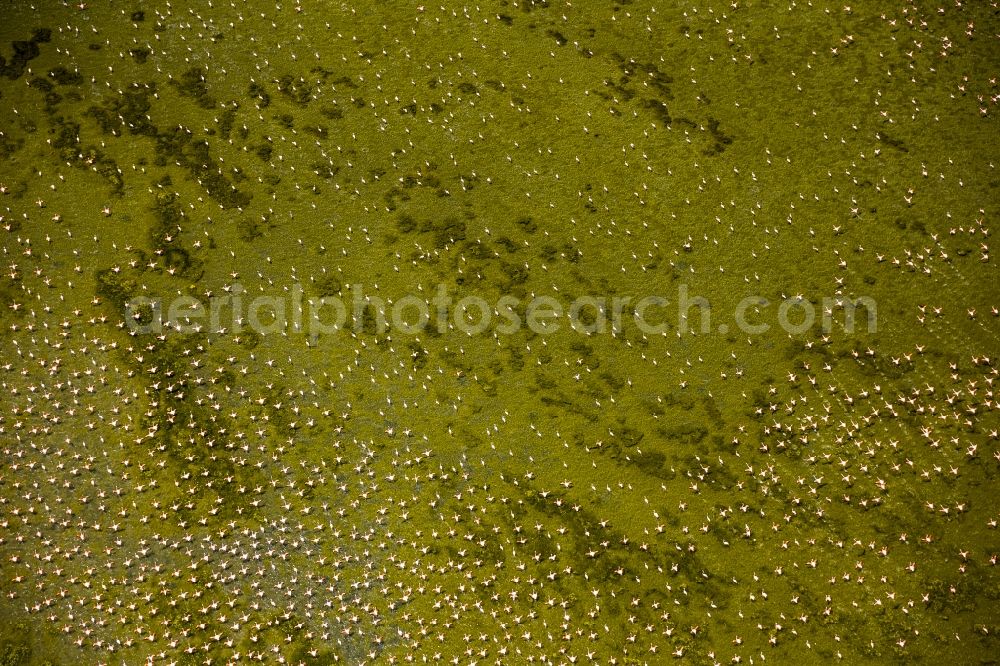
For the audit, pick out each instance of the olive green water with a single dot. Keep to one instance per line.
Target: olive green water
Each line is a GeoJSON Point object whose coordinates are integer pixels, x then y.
{"type": "Point", "coordinates": [704, 494]}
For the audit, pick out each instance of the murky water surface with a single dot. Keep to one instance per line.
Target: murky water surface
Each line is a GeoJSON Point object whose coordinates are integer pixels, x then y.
{"type": "Point", "coordinates": [795, 458]}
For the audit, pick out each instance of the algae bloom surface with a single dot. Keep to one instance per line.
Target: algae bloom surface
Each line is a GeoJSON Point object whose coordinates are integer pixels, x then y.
{"type": "Point", "coordinates": [512, 332]}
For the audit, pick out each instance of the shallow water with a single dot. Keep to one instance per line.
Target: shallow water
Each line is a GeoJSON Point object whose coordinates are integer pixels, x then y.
{"type": "Point", "coordinates": [714, 493]}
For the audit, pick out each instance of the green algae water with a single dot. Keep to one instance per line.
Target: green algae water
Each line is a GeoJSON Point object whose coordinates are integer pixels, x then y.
{"type": "Point", "coordinates": [507, 333]}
